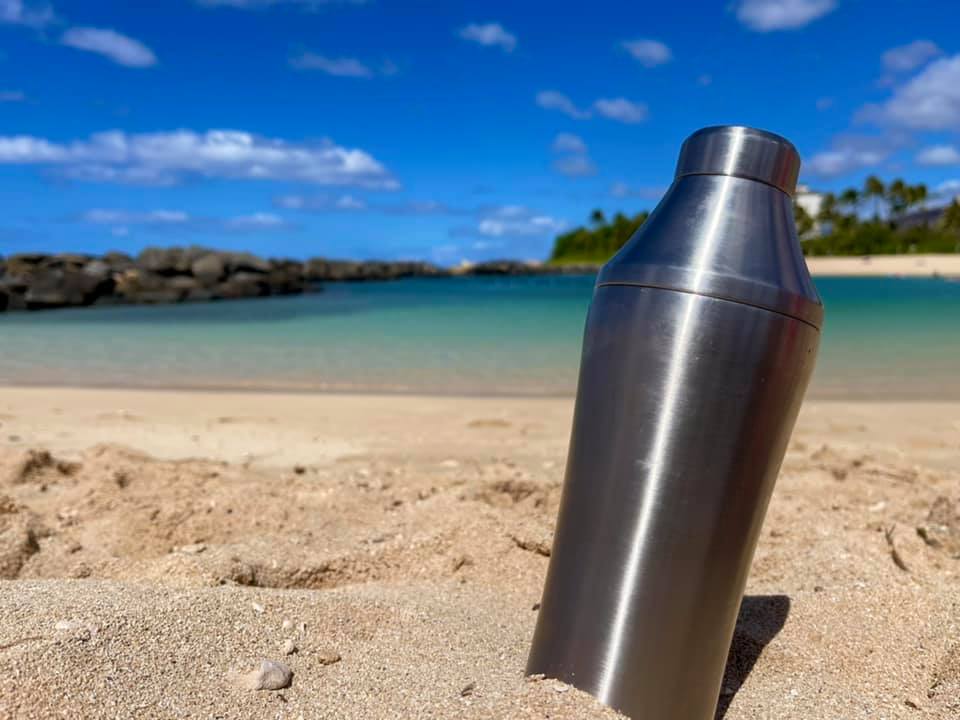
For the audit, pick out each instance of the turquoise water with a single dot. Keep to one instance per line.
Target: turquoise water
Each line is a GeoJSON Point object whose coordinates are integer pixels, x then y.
{"type": "Point", "coordinates": [885, 338]}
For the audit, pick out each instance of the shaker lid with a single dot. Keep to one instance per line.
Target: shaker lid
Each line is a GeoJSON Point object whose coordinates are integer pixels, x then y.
{"type": "Point", "coordinates": [741, 152]}
{"type": "Point", "coordinates": [725, 227]}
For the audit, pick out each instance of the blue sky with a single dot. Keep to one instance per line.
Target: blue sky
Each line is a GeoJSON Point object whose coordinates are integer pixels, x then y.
{"type": "Point", "coordinates": [438, 130]}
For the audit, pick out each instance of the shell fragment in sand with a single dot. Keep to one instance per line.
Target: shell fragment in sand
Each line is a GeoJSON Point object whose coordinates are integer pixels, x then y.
{"type": "Point", "coordinates": [270, 675]}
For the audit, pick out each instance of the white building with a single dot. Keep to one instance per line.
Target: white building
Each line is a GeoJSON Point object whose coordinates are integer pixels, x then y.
{"type": "Point", "coordinates": [809, 200]}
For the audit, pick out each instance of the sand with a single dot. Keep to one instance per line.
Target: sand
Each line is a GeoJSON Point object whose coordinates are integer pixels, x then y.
{"type": "Point", "coordinates": [915, 265]}
{"type": "Point", "coordinates": [390, 551]}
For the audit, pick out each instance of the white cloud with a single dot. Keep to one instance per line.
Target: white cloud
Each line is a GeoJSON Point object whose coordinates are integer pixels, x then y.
{"type": "Point", "coordinates": [647, 192]}
{"type": "Point", "coordinates": [568, 142]}
{"type": "Point", "coordinates": [125, 217]}
{"type": "Point", "coordinates": [340, 67]}
{"type": "Point", "coordinates": [843, 159]}
{"type": "Point", "coordinates": [767, 15]}
{"type": "Point", "coordinates": [553, 100]}
{"type": "Point", "coordinates": [928, 101]}
{"type": "Point", "coordinates": [121, 49]}
{"type": "Point", "coordinates": [939, 155]}
{"type": "Point", "coordinates": [517, 221]}
{"type": "Point", "coordinates": [18, 12]}
{"type": "Point", "coordinates": [166, 158]}
{"type": "Point", "coordinates": [911, 56]}
{"type": "Point", "coordinates": [173, 220]}
{"type": "Point", "coordinates": [950, 188]}
{"type": "Point", "coordinates": [489, 34]}
{"type": "Point", "coordinates": [12, 96]}
{"type": "Point", "coordinates": [256, 221]}
{"type": "Point", "coordinates": [621, 110]}
{"type": "Point", "coordinates": [575, 166]}
{"type": "Point", "coordinates": [320, 202]}
{"type": "Point", "coordinates": [649, 53]}
{"type": "Point", "coordinates": [575, 160]}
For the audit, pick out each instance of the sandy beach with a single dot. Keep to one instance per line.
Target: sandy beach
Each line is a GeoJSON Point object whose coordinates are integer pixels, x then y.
{"type": "Point", "coordinates": [918, 265]}
{"type": "Point", "coordinates": [156, 546]}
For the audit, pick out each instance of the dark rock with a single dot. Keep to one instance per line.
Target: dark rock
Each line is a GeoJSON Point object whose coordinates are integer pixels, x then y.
{"type": "Point", "coordinates": [242, 285]}
{"type": "Point", "coordinates": [97, 269]}
{"type": "Point", "coordinates": [245, 262]}
{"type": "Point", "coordinates": [71, 261]}
{"type": "Point", "coordinates": [507, 267]}
{"type": "Point", "coordinates": [323, 270]}
{"type": "Point", "coordinates": [183, 283]}
{"type": "Point", "coordinates": [208, 269]}
{"type": "Point", "coordinates": [56, 288]}
{"type": "Point", "coordinates": [285, 277]}
{"type": "Point", "coordinates": [137, 286]}
{"type": "Point", "coordinates": [118, 261]}
{"type": "Point", "coordinates": [169, 261]}
{"type": "Point", "coordinates": [25, 263]}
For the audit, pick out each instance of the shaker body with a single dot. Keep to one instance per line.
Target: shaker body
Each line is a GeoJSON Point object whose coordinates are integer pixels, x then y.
{"type": "Point", "coordinates": [685, 405]}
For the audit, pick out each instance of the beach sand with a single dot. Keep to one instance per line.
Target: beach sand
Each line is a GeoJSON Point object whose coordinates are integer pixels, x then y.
{"type": "Point", "coordinates": [391, 552]}
{"type": "Point", "coordinates": [910, 265]}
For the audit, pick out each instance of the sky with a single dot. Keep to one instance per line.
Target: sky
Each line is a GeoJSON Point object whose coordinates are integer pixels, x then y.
{"type": "Point", "coordinates": [440, 130]}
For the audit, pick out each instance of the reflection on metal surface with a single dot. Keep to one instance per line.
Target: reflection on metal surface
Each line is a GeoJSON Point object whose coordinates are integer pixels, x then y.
{"type": "Point", "coordinates": [698, 347]}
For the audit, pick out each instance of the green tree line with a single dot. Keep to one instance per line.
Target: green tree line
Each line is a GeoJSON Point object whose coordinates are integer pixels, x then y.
{"type": "Point", "coordinates": [857, 221]}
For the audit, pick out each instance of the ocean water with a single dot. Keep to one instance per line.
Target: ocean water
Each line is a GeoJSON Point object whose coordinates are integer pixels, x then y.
{"type": "Point", "coordinates": [884, 338]}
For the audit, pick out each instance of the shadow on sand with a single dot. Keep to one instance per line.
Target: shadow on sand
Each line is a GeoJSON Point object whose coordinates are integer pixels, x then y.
{"type": "Point", "coordinates": [761, 618]}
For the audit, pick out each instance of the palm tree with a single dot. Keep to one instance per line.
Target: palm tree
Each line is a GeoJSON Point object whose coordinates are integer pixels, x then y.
{"type": "Point", "coordinates": [828, 208]}
{"type": "Point", "coordinates": [951, 217]}
{"type": "Point", "coordinates": [873, 188]}
{"type": "Point", "coordinates": [897, 198]}
{"type": "Point", "coordinates": [850, 198]}
{"type": "Point", "coordinates": [597, 217]}
{"type": "Point", "coordinates": [802, 220]}
{"type": "Point", "coordinates": [920, 195]}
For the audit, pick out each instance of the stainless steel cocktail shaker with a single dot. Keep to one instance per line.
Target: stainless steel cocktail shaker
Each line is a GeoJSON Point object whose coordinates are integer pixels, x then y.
{"type": "Point", "coordinates": [699, 343]}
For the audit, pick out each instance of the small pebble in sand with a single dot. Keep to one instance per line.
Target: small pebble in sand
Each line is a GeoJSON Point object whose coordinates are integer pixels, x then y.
{"type": "Point", "coordinates": [77, 630]}
{"type": "Point", "coordinates": [460, 561]}
{"type": "Point", "coordinates": [912, 703]}
{"type": "Point", "coordinates": [468, 689]}
{"type": "Point", "coordinates": [560, 687]}
{"type": "Point", "coordinates": [257, 608]}
{"type": "Point", "coordinates": [194, 549]}
{"type": "Point", "coordinates": [450, 464]}
{"type": "Point", "coordinates": [327, 656]}
{"type": "Point", "coordinates": [299, 469]}
{"type": "Point", "coordinates": [270, 675]}
{"type": "Point", "coordinates": [289, 647]}
{"type": "Point", "coordinates": [287, 624]}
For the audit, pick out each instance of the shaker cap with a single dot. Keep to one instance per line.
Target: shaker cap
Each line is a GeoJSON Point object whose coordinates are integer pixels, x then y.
{"type": "Point", "coordinates": [725, 228]}
{"type": "Point", "coordinates": [741, 152]}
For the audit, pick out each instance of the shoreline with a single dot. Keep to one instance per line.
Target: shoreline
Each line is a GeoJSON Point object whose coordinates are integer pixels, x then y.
{"type": "Point", "coordinates": [914, 266]}
{"type": "Point", "coordinates": [829, 394]}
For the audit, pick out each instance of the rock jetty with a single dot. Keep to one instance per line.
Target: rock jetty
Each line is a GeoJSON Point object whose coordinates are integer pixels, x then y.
{"type": "Point", "coordinates": [37, 281]}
